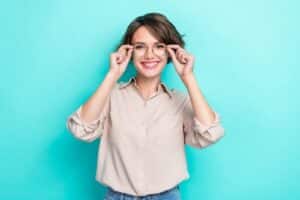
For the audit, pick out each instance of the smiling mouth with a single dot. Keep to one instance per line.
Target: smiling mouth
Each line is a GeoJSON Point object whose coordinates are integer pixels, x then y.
{"type": "Point", "coordinates": [150, 65]}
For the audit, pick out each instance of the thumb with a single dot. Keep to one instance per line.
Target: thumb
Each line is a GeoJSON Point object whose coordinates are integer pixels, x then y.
{"type": "Point", "coordinates": [113, 59]}
{"type": "Point", "coordinates": [128, 56]}
{"type": "Point", "coordinates": [172, 54]}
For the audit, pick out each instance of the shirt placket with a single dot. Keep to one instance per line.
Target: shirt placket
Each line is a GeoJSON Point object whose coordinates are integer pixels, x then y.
{"type": "Point", "coordinates": [144, 136]}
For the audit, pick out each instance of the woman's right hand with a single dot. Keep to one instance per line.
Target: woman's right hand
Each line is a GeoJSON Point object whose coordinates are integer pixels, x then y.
{"type": "Point", "coordinates": [120, 59]}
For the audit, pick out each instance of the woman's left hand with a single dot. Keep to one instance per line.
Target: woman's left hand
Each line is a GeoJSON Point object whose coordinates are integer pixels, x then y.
{"type": "Point", "coordinates": [182, 60]}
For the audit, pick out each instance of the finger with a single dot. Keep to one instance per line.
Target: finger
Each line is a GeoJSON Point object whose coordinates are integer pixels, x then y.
{"type": "Point", "coordinates": [179, 55]}
{"type": "Point", "coordinates": [173, 56]}
{"type": "Point", "coordinates": [174, 46]}
{"type": "Point", "coordinates": [171, 53]}
{"type": "Point", "coordinates": [184, 55]}
{"type": "Point", "coordinates": [119, 59]}
{"type": "Point", "coordinates": [113, 58]}
{"type": "Point", "coordinates": [191, 59]}
{"type": "Point", "coordinates": [185, 58]}
{"type": "Point", "coordinates": [129, 54]}
{"type": "Point", "coordinates": [188, 59]}
{"type": "Point", "coordinates": [124, 51]}
{"type": "Point", "coordinates": [125, 48]}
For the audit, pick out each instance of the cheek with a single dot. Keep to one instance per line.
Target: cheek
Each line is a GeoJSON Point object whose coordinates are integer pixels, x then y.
{"type": "Point", "coordinates": [135, 60]}
{"type": "Point", "coordinates": [164, 61]}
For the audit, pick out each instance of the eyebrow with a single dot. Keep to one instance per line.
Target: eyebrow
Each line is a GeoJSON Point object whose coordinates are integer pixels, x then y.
{"type": "Point", "coordinates": [145, 43]}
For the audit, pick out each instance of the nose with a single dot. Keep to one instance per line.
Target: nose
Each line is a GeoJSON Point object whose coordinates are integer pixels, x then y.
{"type": "Point", "coordinates": [149, 53]}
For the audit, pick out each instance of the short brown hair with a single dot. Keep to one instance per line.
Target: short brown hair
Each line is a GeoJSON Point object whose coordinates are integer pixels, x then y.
{"type": "Point", "coordinates": [158, 25]}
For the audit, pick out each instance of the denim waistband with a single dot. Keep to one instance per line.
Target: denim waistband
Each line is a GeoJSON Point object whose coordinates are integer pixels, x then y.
{"type": "Point", "coordinates": [129, 195]}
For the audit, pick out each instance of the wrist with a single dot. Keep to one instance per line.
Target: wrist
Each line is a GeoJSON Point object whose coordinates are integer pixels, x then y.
{"type": "Point", "coordinates": [113, 75]}
{"type": "Point", "coordinates": [187, 78]}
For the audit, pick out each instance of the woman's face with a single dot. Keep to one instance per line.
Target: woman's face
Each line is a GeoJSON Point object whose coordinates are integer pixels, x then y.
{"type": "Point", "coordinates": [149, 55]}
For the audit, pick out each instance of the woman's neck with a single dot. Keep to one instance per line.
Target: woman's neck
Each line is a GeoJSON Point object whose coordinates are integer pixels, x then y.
{"type": "Point", "coordinates": [147, 86]}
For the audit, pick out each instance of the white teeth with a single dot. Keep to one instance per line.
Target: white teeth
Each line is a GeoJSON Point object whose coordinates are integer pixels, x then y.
{"type": "Point", "coordinates": [152, 64]}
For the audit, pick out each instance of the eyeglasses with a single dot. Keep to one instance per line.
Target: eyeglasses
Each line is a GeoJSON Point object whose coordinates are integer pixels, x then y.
{"type": "Point", "coordinates": [159, 49]}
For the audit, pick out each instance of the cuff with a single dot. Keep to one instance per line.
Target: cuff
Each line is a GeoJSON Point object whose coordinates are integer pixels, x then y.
{"type": "Point", "coordinates": [88, 127]}
{"type": "Point", "coordinates": [201, 127]}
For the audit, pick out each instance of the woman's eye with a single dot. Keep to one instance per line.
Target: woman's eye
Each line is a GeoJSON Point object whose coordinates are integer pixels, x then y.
{"type": "Point", "coordinates": [139, 47]}
{"type": "Point", "coordinates": [160, 46]}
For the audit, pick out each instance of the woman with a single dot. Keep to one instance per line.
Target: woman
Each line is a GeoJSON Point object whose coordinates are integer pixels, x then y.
{"type": "Point", "coordinates": [143, 125]}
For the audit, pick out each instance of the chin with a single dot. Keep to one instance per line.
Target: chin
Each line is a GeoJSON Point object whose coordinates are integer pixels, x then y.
{"type": "Point", "coordinates": [150, 68]}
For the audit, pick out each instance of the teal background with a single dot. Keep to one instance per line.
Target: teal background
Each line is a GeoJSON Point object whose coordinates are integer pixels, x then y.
{"type": "Point", "coordinates": [55, 53]}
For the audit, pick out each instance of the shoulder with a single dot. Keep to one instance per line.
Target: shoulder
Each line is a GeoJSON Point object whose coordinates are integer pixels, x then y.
{"type": "Point", "coordinates": [118, 88]}
{"type": "Point", "coordinates": [115, 89]}
{"type": "Point", "coordinates": [119, 85]}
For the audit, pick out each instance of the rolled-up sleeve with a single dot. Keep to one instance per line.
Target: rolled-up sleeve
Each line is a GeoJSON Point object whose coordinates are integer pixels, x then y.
{"type": "Point", "coordinates": [90, 131]}
{"type": "Point", "coordinates": [197, 134]}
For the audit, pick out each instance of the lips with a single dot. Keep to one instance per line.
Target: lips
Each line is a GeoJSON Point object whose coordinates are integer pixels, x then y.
{"type": "Point", "coordinates": [149, 64]}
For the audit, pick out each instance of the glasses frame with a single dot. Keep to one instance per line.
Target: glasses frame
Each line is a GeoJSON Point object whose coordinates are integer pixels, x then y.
{"type": "Point", "coordinates": [140, 54]}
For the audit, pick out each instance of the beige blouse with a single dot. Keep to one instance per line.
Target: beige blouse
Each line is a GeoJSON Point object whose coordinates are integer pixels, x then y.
{"type": "Point", "coordinates": [141, 148]}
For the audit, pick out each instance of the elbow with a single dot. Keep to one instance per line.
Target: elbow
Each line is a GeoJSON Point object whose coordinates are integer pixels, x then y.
{"type": "Point", "coordinates": [214, 134]}
{"type": "Point", "coordinates": [220, 132]}
{"type": "Point", "coordinates": [209, 137]}
{"type": "Point", "coordinates": [82, 133]}
{"type": "Point", "coordinates": [85, 138]}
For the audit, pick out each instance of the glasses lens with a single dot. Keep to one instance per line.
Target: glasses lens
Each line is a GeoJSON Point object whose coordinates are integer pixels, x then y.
{"type": "Point", "coordinates": [158, 49]}
{"type": "Point", "coordinates": [139, 49]}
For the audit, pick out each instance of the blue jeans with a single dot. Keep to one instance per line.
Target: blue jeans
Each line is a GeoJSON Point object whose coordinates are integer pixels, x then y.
{"type": "Point", "coordinates": [171, 194]}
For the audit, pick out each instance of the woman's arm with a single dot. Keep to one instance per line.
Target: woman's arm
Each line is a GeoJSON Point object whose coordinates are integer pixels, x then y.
{"type": "Point", "coordinates": [118, 64]}
{"type": "Point", "coordinates": [89, 122]}
{"type": "Point", "coordinates": [184, 64]}
{"type": "Point", "coordinates": [94, 106]}
{"type": "Point", "coordinates": [201, 124]}
{"type": "Point", "coordinates": [202, 110]}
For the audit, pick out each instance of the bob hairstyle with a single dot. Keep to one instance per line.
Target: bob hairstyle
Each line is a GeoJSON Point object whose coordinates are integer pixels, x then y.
{"type": "Point", "coordinates": [158, 25]}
